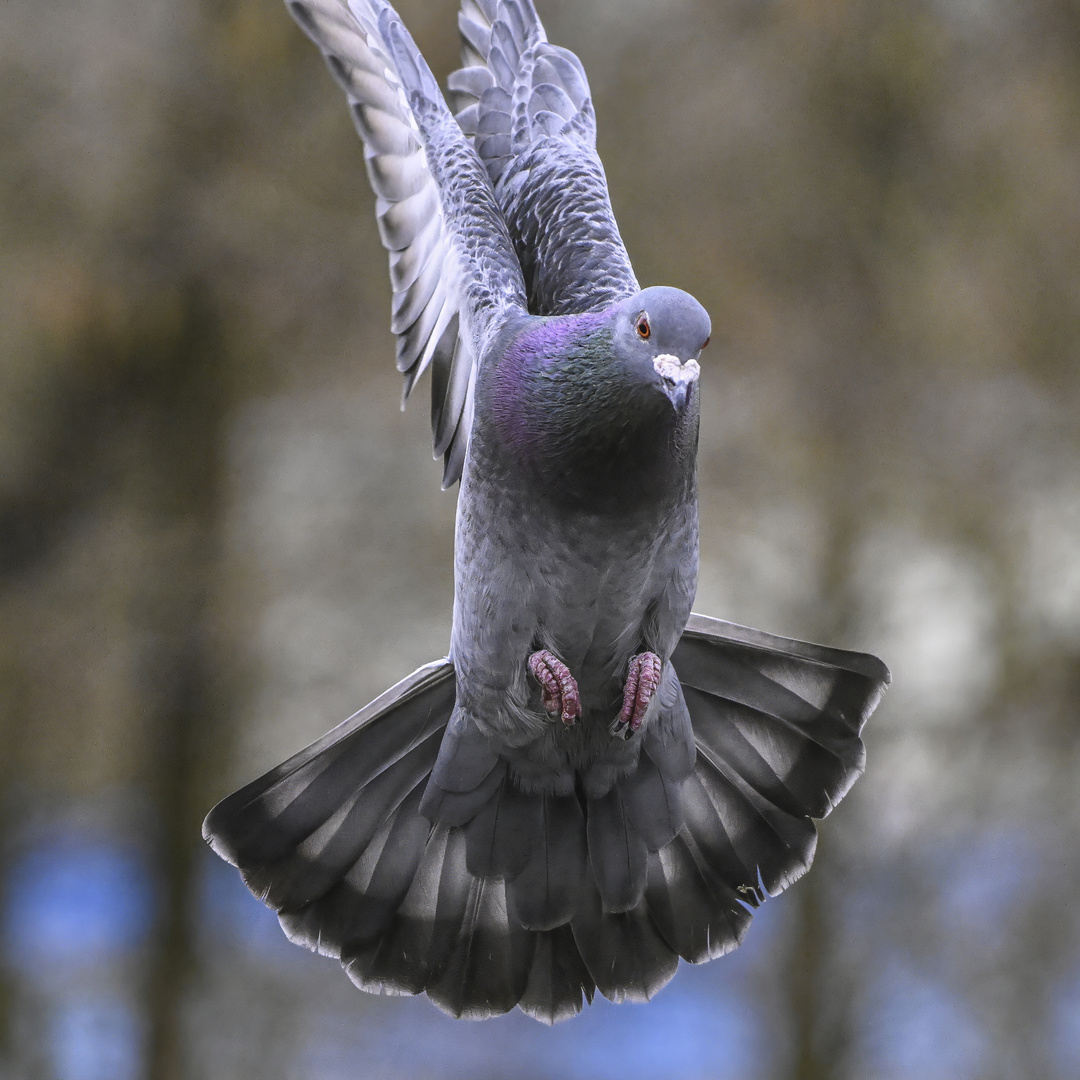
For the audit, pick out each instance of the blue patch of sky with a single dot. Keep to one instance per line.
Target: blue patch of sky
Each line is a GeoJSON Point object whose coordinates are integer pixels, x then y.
{"type": "Point", "coordinates": [228, 914]}
{"type": "Point", "coordinates": [687, 1031]}
{"type": "Point", "coordinates": [79, 900]}
{"type": "Point", "coordinates": [74, 904]}
{"type": "Point", "coordinates": [1065, 1027]}
{"type": "Point", "coordinates": [984, 878]}
{"type": "Point", "coordinates": [98, 1039]}
{"type": "Point", "coordinates": [76, 901]}
{"type": "Point", "coordinates": [915, 1026]}
{"type": "Point", "coordinates": [705, 1023]}
{"type": "Point", "coordinates": [978, 881]}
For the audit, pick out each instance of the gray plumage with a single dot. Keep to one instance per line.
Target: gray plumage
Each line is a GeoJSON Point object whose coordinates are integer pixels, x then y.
{"type": "Point", "coordinates": [526, 104]}
{"type": "Point", "coordinates": [594, 783]}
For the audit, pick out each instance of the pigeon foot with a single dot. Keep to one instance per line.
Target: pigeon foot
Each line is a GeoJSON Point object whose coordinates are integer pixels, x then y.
{"type": "Point", "coordinates": [642, 680]}
{"type": "Point", "coordinates": [559, 695]}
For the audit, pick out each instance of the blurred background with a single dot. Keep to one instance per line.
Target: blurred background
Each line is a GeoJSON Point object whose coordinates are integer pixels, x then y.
{"type": "Point", "coordinates": [219, 537]}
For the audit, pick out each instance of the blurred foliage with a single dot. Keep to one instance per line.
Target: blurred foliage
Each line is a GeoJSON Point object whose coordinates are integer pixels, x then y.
{"type": "Point", "coordinates": [218, 537]}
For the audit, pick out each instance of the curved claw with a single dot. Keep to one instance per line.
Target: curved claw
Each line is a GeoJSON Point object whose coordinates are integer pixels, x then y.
{"type": "Point", "coordinates": [559, 689]}
{"type": "Point", "coordinates": [642, 679]}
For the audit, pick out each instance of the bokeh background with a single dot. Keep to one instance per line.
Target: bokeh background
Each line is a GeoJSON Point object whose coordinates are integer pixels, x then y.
{"type": "Point", "coordinates": [219, 537]}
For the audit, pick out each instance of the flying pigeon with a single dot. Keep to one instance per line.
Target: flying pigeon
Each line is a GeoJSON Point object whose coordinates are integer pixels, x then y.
{"type": "Point", "coordinates": [595, 782]}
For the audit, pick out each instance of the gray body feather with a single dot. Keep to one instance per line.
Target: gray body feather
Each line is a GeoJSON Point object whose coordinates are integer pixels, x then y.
{"type": "Point", "coordinates": [452, 838]}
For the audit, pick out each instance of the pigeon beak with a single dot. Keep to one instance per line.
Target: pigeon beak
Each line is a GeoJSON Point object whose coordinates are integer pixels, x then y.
{"type": "Point", "coordinates": [677, 377]}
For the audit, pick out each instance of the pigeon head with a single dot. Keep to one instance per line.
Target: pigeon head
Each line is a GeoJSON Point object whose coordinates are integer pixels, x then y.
{"type": "Point", "coordinates": [660, 332]}
{"type": "Point", "coordinates": [600, 405]}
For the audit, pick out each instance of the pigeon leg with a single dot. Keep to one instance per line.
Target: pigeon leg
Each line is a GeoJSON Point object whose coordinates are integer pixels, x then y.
{"type": "Point", "coordinates": [642, 679]}
{"type": "Point", "coordinates": [560, 695]}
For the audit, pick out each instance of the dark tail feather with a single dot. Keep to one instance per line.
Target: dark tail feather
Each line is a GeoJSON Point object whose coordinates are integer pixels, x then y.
{"type": "Point", "coordinates": [336, 841]}
{"type": "Point", "coordinates": [450, 936]}
{"type": "Point", "coordinates": [323, 858]}
{"type": "Point", "coordinates": [295, 831]}
{"type": "Point", "coordinates": [545, 894]}
{"type": "Point", "coordinates": [419, 938]}
{"type": "Point", "coordinates": [502, 836]}
{"type": "Point", "coordinates": [669, 743]}
{"type": "Point", "coordinates": [776, 724]}
{"type": "Point", "coordinates": [617, 852]}
{"type": "Point", "coordinates": [558, 978]}
{"type": "Point", "coordinates": [352, 915]}
{"type": "Point", "coordinates": [783, 714]}
{"type": "Point", "coordinates": [653, 804]}
{"type": "Point", "coordinates": [697, 913]}
{"type": "Point", "coordinates": [466, 775]}
{"type": "Point", "coordinates": [624, 952]}
{"type": "Point", "coordinates": [488, 969]}
{"type": "Point", "coordinates": [539, 900]}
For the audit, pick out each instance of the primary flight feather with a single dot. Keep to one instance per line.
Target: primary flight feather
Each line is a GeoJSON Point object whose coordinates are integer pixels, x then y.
{"type": "Point", "coordinates": [595, 782]}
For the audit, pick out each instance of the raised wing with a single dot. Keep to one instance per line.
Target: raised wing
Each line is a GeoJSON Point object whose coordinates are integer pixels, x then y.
{"type": "Point", "coordinates": [453, 270]}
{"type": "Point", "coordinates": [526, 105]}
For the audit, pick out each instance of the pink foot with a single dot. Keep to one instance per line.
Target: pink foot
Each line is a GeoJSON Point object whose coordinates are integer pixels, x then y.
{"type": "Point", "coordinates": [642, 679]}
{"type": "Point", "coordinates": [559, 689]}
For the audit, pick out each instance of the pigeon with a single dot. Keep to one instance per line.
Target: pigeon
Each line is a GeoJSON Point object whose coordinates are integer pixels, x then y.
{"type": "Point", "coordinates": [595, 782]}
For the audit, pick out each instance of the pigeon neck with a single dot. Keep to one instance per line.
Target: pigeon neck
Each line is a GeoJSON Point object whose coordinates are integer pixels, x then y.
{"type": "Point", "coordinates": [581, 427]}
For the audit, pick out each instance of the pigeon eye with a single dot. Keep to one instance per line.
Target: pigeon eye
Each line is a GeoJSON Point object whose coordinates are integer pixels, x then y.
{"type": "Point", "coordinates": [643, 328]}
{"type": "Point", "coordinates": [705, 342]}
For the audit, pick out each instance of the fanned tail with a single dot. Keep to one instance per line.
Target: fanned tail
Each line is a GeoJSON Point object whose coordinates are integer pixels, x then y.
{"type": "Point", "coordinates": [429, 872]}
{"type": "Point", "coordinates": [303, 827]}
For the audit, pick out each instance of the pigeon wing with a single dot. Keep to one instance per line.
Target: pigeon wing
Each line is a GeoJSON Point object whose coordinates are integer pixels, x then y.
{"type": "Point", "coordinates": [453, 269]}
{"type": "Point", "coordinates": [525, 103]}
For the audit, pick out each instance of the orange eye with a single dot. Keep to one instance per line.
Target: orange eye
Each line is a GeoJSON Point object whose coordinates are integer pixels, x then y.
{"type": "Point", "coordinates": [642, 327]}
{"type": "Point", "coordinates": [705, 342]}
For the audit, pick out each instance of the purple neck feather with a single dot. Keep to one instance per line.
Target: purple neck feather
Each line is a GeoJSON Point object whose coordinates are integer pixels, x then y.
{"type": "Point", "coordinates": [531, 358]}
